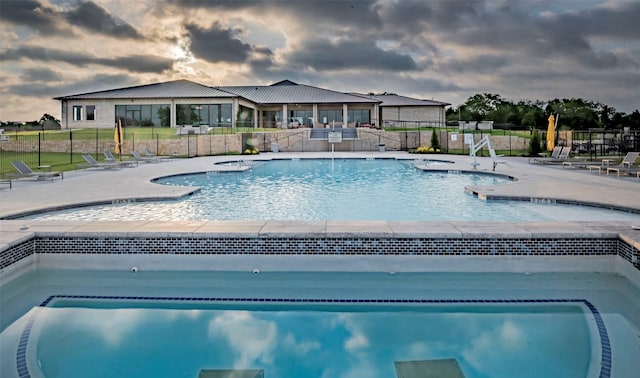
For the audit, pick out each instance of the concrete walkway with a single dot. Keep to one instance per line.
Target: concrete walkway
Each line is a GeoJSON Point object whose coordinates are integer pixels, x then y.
{"type": "Point", "coordinates": [106, 186]}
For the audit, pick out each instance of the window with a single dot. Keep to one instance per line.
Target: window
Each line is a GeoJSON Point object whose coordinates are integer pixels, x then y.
{"type": "Point", "coordinates": [77, 113]}
{"type": "Point", "coordinates": [213, 115]}
{"type": "Point", "coordinates": [328, 116]}
{"type": "Point", "coordinates": [91, 113]}
{"type": "Point", "coordinates": [359, 116]}
{"type": "Point", "coordinates": [144, 115]}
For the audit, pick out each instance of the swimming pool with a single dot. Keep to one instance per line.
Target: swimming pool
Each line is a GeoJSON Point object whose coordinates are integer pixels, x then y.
{"type": "Point", "coordinates": [336, 189]}
{"type": "Point", "coordinates": [321, 324]}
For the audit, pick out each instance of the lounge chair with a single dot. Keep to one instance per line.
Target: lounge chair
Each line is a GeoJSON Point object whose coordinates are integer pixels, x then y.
{"type": "Point", "coordinates": [563, 156]}
{"type": "Point", "coordinates": [558, 155]}
{"type": "Point", "coordinates": [109, 158]}
{"type": "Point", "coordinates": [25, 172]}
{"type": "Point", "coordinates": [627, 165]}
{"type": "Point", "coordinates": [140, 158]}
{"type": "Point", "coordinates": [150, 154]}
{"type": "Point", "coordinates": [93, 163]}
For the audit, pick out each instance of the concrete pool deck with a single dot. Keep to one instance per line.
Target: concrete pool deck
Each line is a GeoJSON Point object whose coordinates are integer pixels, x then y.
{"type": "Point", "coordinates": [226, 246]}
{"type": "Point", "coordinates": [540, 182]}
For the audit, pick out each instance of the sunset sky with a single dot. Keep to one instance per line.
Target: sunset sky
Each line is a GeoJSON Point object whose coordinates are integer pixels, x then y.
{"type": "Point", "coordinates": [446, 50]}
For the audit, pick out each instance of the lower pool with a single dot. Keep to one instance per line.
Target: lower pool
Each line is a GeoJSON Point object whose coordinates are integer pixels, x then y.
{"type": "Point", "coordinates": [149, 340]}
{"type": "Point", "coordinates": [318, 324]}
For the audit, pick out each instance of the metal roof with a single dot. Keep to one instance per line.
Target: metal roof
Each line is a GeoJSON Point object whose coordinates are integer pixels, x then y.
{"type": "Point", "coordinates": [285, 93]}
{"type": "Point", "coordinates": [169, 89]}
{"type": "Point", "coordinates": [396, 100]}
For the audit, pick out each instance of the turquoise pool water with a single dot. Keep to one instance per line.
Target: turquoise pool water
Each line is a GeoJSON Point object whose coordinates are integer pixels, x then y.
{"type": "Point", "coordinates": [342, 189]}
{"type": "Point", "coordinates": [299, 342]}
{"type": "Point", "coordinates": [116, 323]}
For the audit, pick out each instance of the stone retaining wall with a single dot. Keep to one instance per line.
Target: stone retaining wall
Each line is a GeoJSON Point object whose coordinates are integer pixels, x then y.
{"type": "Point", "coordinates": [287, 141]}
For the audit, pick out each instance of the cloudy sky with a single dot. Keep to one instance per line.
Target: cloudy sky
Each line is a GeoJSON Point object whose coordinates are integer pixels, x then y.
{"type": "Point", "coordinates": [446, 50]}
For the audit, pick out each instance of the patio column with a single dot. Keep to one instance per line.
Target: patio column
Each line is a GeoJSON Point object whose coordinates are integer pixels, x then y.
{"type": "Point", "coordinates": [316, 121]}
{"type": "Point", "coordinates": [234, 112]}
{"type": "Point", "coordinates": [345, 114]}
{"type": "Point", "coordinates": [285, 117]}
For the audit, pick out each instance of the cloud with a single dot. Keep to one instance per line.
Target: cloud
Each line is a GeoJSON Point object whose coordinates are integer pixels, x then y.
{"type": "Point", "coordinates": [218, 44]}
{"type": "Point", "coordinates": [323, 54]}
{"type": "Point", "coordinates": [252, 339]}
{"type": "Point", "coordinates": [135, 63]}
{"type": "Point", "coordinates": [92, 83]}
{"type": "Point", "coordinates": [34, 15]}
{"type": "Point", "coordinates": [445, 50]}
{"type": "Point", "coordinates": [92, 17]}
{"type": "Point", "coordinates": [40, 74]}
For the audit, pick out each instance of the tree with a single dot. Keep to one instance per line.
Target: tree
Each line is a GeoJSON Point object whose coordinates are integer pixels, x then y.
{"type": "Point", "coordinates": [480, 105]}
{"type": "Point", "coordinates": [435, 143]}
{"type": "Point", "coordinates": [534, 144]}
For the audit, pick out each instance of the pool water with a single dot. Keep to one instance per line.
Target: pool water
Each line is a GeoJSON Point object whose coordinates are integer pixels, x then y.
{"type": "Point", "coordinates": [343, 189]}
{"type": "Point", "coordinates": [325, 341]}
{"type": "Point", "coordinates": [317, 324]}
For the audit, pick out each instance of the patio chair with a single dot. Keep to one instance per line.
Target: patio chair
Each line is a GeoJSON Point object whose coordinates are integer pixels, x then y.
{"type": "Point", "coordinates": [109, 158]}
{"type": "Point", "coordinates": [562, 157]}
{"type": "Point", "coordinates": [627, 165]}
{"type": "Point", "coordinates": [25, 172]}
{"type": "Point", "coordinates": [140, 158]}
{"type": "Point", "coordinates": [150, 154]}
{"type": "Point", "coordinates": [93, 163]}
{"type": "Point", "coordinates": [558, 155]}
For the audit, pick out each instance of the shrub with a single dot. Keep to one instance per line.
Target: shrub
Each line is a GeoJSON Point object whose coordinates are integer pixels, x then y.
{"type": "Point", "coordinates": [534, 144]}
{"type": "Point", "coordinates": [435, 143]}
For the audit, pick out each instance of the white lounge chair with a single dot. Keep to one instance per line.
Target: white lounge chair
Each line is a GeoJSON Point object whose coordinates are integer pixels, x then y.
{"type": "Point", "coordinates": [627, 165]}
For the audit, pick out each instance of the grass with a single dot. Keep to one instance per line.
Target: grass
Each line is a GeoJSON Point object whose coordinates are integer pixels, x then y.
{"type": "Point", "coordinates": [57, 161]}
{"type": "Point", "coordinates": [129, 133]}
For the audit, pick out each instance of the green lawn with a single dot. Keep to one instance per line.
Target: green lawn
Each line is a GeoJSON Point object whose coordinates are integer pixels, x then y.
{"type": "Point", "coordinates": [129, 133]}
{"type": "Point", "coordinates": [58, 161]}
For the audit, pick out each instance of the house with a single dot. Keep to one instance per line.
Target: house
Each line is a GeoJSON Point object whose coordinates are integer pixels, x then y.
{"type": "Point", "coordinates": [283, 105]}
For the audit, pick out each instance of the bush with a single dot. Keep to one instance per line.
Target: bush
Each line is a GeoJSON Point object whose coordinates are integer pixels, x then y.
{"type": "Point", "coordinates": [435, 143]}
{"type": "Point", "coordinates": [534, 145]}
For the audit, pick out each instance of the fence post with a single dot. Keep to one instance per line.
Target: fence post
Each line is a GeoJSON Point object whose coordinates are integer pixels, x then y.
{"type": "Point", "coordinates": [39, 150]}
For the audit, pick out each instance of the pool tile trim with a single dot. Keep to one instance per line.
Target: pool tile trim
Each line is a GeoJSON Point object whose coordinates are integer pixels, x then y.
{"type": "Point", "coordinates": [605, 345]}
{"type": "Point", "coordinates": [194, 244]}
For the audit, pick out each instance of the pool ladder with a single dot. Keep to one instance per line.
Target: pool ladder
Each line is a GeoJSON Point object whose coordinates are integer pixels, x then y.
{"type": "Point", "coordinates": [245, 163]}
{"type": "Point", "coordinates": [418, 162]}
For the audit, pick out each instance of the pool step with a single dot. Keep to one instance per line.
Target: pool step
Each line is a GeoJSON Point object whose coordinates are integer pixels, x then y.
{"type": "Point", "coordinates": [231, 373]}
{"type": "Point", "coordinates": [447, 368]}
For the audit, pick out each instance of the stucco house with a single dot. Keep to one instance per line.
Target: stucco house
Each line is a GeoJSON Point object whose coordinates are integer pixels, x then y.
{"type": "Point", "coordinates": [284, 104]}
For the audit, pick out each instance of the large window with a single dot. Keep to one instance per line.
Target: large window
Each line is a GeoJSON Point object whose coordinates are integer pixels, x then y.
{"type": "Point", "coordinates": [359, 116]}
{"type": "Point", "coordinates": [328, 116]}
{"type": "Point", "coordinates": [77, 113]}
{"type": "Point", "coordinates": [301, 117]}
{"type": "Point", "coordinates": [214, 115]}
{"type": "Point", "coordinates": [144, 115]}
